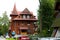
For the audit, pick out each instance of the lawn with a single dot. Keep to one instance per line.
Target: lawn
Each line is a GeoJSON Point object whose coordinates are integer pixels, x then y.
{"type": "Point", "coordinates": [11, 38]}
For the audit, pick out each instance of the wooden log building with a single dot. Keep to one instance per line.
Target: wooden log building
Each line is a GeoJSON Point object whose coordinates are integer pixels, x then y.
{"type": "Point", "coordinates": [22, 22]}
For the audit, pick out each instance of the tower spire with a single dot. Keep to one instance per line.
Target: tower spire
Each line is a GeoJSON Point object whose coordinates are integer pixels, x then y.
{"type": "Point", "coordinates": [14, 9]}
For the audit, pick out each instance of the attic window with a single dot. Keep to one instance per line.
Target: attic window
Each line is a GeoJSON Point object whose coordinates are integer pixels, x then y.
{"type": "Point", "coordinates": [28, 16]}
{"type": "Point", "coordinates": [24, 16]}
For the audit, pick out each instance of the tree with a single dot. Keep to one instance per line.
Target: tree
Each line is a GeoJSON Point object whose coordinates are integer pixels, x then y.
{"type": "Point", "coordinates": [4, 23]}
{"type": "Point", "coordinates": [45, 17]}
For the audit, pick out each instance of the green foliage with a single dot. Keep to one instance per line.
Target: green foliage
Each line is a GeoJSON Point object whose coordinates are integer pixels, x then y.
{"type": "Point", "coordinates": [45, 17]}
{"type": "Point", "coordinates": [33, 37]}
{"type": "Point", "coordinates": [4, 24]}
{"type": "Point", "coordinates": [11, 39]}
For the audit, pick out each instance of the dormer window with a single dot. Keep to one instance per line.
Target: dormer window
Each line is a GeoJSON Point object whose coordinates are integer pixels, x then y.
{"type": "Point", "coordinates": [24, 16]}
{"type": "Point", "coordinates": [28, 16]}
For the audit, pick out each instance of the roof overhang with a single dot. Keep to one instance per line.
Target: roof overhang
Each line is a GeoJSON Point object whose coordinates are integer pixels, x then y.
{"type": "Point", "coordinates": [21, 28]}
{"type": "Point", "coordinates": [26, 19]}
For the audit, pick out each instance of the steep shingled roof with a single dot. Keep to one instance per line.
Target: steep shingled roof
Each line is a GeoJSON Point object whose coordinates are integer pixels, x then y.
{"type": "Point", "coordinates": [25, 11]}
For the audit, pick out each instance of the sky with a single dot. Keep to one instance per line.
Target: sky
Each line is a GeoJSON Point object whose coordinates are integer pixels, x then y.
{"type": "Point", "coordinates": [7, 5]}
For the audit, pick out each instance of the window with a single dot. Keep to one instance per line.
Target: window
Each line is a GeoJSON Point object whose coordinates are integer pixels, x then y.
{"type": "Point", "coordinates": [28, 23]}
{"type": "Point", "coordinates": [24, 30]}
{"type": "Point", "coordinates": [28, 16]}
{"type": "Point", "coordinates": [24, 16]}
{"type": "Point", "coordinates": [28, 30]}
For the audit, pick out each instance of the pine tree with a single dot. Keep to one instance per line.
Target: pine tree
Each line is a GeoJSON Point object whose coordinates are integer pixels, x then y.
{"type": "Point", "coordinates": [45, 17]}
{"type": "Point", "coordinates": [4, 24]}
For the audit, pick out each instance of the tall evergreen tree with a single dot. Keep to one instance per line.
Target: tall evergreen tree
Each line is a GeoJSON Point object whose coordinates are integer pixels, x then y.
{"type": "Point", "coordinates": [4, 23]}
{"type": "Point", "coordinates": [45, 17]}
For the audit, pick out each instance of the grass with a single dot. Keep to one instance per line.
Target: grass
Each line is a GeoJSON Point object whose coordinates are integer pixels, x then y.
{"type": "Point", "coordinates": [11, 38]}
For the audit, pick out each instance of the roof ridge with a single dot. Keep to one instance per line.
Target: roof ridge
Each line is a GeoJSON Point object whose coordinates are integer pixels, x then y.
{"type": "Point", "coordinates": [26, 11]}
